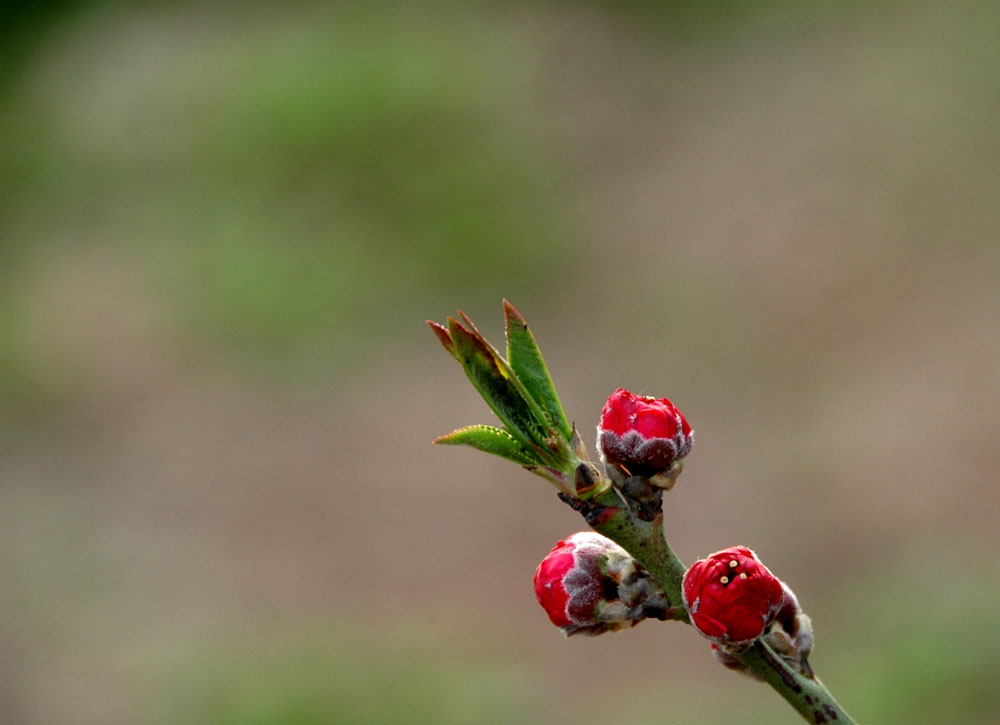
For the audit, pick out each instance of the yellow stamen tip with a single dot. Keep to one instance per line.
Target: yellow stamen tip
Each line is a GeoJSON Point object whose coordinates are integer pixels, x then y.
{"type": "Point", "coordinates": [743, 575]}
{"type": "Point", "coordinates": [733, 564]}
{"type": "Point", "coordinates": [724, 580]}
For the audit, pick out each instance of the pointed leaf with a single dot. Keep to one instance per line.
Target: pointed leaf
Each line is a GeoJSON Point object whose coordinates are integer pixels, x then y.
{"type": "Point", "coordinates": [488, 439]}
{"type": "Point", "coordinates": [527, 363]}
{"type": "Point", "coordinates": [495, 381]}
{"type": "Point", "coordinates": [497, 384]}
{"type": "Point", "coordinates": [553, 440]}
{"type": "Point", "coordinates": [443, 337]}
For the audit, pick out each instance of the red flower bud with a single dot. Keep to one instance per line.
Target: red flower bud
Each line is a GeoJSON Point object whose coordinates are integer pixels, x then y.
{"type": "Point", "coordinates": [644, 436]}
{"type": "Point", "coordinates": [732, 597]}
{"type": "Point", "coordinates": [588, 584]}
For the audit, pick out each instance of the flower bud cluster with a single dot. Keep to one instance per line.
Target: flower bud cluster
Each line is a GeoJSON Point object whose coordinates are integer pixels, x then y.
{"type": "Point", "coordinates": [588, 584]}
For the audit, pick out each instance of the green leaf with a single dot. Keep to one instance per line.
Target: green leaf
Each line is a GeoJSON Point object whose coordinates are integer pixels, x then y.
{"type": "Point", "coordinates": [527, 363]}
{"type": "Point", "coordinates": [488, 439]}
{"type": "Point", "coordinates": [492, 377]}
{"type": "Point", "coordinates": [552, 438]}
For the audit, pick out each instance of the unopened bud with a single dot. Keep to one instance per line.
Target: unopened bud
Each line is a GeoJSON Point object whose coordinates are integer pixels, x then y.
{"type": "Point", "coordinates": [732, 597]}
{"type": "Point", "coordinates": [588, 584]}
{"type": "Point", "coordinates": [643, 437]}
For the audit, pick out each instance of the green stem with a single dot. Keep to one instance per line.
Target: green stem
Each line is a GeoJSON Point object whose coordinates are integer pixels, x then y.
{"type": "Point", "coordinates": [642, 539]}
{"type": "Point", "coordinates": [608, 515]}
{"type": "Point", "coordinates": [808, 696]}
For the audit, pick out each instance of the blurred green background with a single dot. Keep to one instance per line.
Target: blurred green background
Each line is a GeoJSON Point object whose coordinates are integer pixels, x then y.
{"type": "Point", "coordinates": [222, 227]}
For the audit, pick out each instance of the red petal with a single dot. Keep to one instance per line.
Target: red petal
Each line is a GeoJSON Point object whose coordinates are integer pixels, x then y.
{"type": "Point", "coordinates": [655, 422]}
{"type": "Point", "coordinates": [549, 589]}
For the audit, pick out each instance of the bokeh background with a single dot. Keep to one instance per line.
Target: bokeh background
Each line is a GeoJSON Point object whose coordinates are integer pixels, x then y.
{"type": "Point", "coordinates": [223, 225]}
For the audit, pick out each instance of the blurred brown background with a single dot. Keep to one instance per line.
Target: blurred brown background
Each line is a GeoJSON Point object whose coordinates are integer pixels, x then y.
{"type": "Point", "coordinates": [221, 230]}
